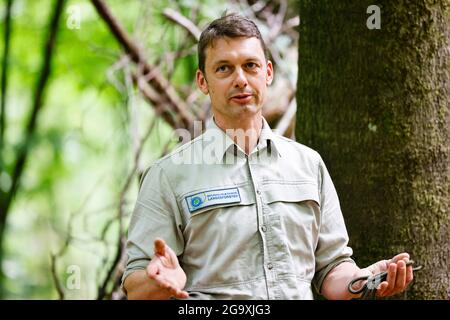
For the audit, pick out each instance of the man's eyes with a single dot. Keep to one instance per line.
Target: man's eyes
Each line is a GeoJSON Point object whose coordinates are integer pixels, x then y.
{"type": "Point", "coordinates": [223, 68]}
{"type": "Point", "coordinates": [251, 65]}
{"type": "Point", "coordinates": [226, 68]}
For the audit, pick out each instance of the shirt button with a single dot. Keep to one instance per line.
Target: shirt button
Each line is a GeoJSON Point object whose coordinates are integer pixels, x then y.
{"type": "Point", "coordinates": [258, 191]}
{"type": "Point", "coordinates": [269, 266]}
{"type": "Point", "coordinates": [263, 228]}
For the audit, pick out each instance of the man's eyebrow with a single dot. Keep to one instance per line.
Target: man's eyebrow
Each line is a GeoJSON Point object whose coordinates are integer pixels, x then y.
{"type": "Point", "coordinates": [221, 62]}
{"type": "Point", "coordinates": [224, 61]}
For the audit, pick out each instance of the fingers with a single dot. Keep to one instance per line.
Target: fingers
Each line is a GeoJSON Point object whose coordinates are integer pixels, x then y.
{"type": "Point", "coordinates": [391, 278]}
{"type": "Point", "coordinates": [160, 247]}
{"type": "Point", "coordinates": [399, 276]}
{"type": "Point", "coordinates": [177, 293]}
{"type": "Point", "coordinates": [400, 282]}
{"type": "Point", "coordinates": [381, 292]}
{"type": "Point", "coordinates": [386, 288]}
{"type": "Point", "coordinates": [409, 275]}
{"type": "Point", "coordinates": [172, 256]}
{"type": "Point", "coordinates": [180, 294]}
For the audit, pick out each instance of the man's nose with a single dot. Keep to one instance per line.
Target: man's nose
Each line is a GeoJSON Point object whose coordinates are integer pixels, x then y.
{"type": "Point", "coordinates": [240, 80]}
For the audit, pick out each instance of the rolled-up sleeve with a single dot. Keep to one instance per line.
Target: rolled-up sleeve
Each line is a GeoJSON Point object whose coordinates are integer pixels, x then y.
{"type": "Point", "coordinates": [332, 248]}
{"type": "Point", "coordinates": [155, 215]}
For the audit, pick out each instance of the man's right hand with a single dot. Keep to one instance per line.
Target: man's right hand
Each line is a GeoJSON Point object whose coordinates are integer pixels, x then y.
{"type": "Point", "coordinates": [162, 279]}
{"type": "Point", "coordinates": [165, 270]}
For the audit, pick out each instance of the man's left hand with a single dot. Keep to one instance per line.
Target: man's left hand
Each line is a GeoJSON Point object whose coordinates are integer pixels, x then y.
{"type": "Point", "coordinates": [399, 275]}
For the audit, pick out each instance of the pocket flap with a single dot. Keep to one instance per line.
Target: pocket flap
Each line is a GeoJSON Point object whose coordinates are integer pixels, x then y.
{"type": "Point", "coordinates": [291, 192]}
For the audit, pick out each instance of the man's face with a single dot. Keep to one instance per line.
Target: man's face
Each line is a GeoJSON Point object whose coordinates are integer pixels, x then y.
{"type": "Point", "coordinates": [236, 78]}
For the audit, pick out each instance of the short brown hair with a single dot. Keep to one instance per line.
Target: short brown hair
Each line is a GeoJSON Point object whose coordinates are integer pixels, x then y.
{"type": "Point", "coordinates": [231, 25]}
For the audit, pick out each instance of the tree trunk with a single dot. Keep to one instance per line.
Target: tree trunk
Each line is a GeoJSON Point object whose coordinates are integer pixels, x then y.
{"type": "Point", "coordinates": [376, 105]}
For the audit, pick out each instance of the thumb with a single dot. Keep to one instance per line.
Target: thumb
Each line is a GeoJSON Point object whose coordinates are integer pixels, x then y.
{"type": "Point", "coordinates": [400, 256]}
{"type": "Point", "coordinates": [378, 266]}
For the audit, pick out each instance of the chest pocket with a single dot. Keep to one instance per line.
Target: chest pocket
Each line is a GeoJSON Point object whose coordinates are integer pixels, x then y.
{"type": "Point", "coordinates": [295, 206]}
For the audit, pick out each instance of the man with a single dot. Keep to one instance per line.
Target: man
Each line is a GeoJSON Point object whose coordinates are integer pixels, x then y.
{"type": "Point", "coordinates": [265, 225]}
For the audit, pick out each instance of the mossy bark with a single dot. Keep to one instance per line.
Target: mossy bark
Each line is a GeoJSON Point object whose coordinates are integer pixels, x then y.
{"type": "Point", "coordinates": [376, 105]}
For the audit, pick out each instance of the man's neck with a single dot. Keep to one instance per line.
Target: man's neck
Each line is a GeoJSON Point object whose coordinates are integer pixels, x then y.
{"type": "Point", "coordinates": [245, 132]}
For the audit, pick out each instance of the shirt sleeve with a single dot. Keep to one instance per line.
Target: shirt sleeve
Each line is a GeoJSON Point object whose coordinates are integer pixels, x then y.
{"type": "Point", "coordinates": [332, 248]}
{"type": "Point", "coordinates": [156, 215]}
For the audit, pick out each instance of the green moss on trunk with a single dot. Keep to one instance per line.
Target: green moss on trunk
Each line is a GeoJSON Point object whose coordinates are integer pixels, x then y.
{"type": "Point", "coordinates": [376, 105]}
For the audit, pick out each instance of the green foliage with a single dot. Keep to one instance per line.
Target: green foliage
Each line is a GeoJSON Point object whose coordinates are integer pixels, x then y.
{"type": "Point", "coordinates": [84, 146]}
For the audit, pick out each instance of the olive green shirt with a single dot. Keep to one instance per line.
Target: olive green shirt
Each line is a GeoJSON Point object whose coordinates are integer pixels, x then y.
{"type": "Point", "coordinates": [266, 225]}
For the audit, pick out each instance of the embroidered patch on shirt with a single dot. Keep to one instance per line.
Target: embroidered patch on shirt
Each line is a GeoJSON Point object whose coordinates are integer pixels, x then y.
{"type": "Point", "coordinates": [210, 198]}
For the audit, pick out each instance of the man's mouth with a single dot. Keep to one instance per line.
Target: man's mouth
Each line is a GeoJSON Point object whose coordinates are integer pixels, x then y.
{"type": "Point", "coordinates": [242, 98]}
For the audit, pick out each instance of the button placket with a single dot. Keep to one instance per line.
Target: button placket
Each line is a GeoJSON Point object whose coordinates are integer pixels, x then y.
{"type": "Point", "coordinates": [259, 213]}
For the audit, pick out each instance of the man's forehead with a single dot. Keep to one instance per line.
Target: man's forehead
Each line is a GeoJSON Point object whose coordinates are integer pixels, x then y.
{"type": "Point", "coordinates": [225, 48]}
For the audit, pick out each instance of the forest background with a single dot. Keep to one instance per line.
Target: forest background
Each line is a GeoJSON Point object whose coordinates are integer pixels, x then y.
{"type": "Point", "coordinates": [92, 92]}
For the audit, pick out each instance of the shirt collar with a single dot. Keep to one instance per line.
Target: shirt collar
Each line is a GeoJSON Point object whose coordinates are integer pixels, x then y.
{"type": "Point", "coordinates": [223, 143]}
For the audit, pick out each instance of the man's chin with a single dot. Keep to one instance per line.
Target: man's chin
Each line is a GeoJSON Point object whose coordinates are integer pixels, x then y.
{"type": "Point", "coordinates": [246, 109]}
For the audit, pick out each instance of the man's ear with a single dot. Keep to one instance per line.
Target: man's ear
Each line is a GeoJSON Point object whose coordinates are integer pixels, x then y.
{"type": "Point", "coordinates": [201, 82]}
{"type": "Point", "coordinates": [269, 76]}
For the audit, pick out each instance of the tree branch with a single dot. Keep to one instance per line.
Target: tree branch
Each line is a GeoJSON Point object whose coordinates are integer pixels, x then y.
{"type": "Point", "coordinates": [55, 278]}
{"type": "Point", "coordinates": [155, 99]}
{"type": "Point", "coordinates": [178, 18]}
{"type": "Point", "coordinates": [286, 120]}
{"type": "Point", "coordinates": [38, 102]}
{"type": "Point", "coordinates": [4, 78]}
{"type": "Point", "coordinates": [157, 81]}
